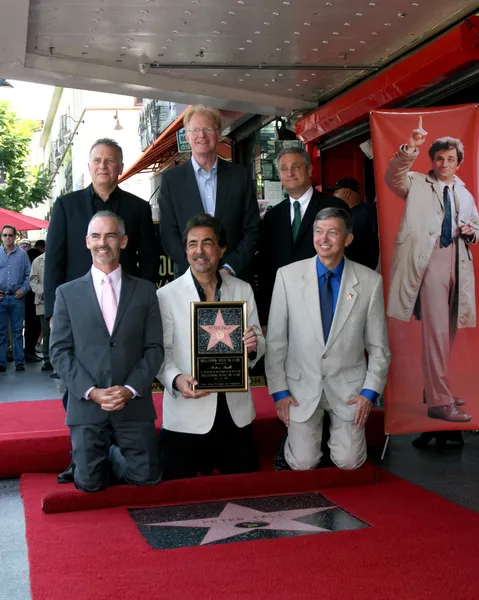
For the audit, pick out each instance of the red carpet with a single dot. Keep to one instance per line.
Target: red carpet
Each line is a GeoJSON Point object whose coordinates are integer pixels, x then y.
{"type": "Point", "coordinates": [34, 438]}
{"type": "Point", "coordinates": [418, 546]}
{"type": "Point", "coordinates": [65, 498]}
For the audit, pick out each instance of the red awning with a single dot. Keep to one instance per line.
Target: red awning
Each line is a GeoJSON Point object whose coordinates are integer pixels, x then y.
{"type": "Point", "coordinates": [21, 222]}
{"type": "Point", "coordinates": [162, 149]}
{"type": "Point", "coordinates": [422, 69]}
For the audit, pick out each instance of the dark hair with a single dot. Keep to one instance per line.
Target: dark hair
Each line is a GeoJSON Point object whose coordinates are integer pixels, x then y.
{"type": "Point", "coordinates": [40, 244]}
{"type": "Point", "coordinates": [336, 213]}
{"type": "Point", "coordinates": [206, 221]}
{"type": "Point", "coordinates": [447, 143]}
{"type": "Point", "coordinates": [10, 227]}
{"type": "Point", "coordinates": [110, 143]}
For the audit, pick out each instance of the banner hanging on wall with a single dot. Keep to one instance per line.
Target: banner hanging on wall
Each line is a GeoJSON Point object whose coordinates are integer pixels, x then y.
{"type": "Point", "coordinates": [426, 170]}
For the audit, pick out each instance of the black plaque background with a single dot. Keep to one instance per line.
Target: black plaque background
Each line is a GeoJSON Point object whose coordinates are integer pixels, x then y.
{"type": "Point", "coordinates": [220, 369]}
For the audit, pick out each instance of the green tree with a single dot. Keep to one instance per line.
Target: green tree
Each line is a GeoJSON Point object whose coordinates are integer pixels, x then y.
{"type": "Point", "coordinates": [27, 185]}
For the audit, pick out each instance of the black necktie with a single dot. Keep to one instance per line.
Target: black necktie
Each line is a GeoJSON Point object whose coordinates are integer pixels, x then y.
{"type": "Point", "coordinates": [296, 224]}
{"type": "Point", "coordinates": [326, 303]}
{"type": "Point", "coordinates": [446, 229]}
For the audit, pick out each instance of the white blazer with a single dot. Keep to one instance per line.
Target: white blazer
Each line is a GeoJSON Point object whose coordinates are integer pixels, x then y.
{"type": "Point", "coordinates": [298, 360]}
{"type": "Point", "coordinates": [188, 415]}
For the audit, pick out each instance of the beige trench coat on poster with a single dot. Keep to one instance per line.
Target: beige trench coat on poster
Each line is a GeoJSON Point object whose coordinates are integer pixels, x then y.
{"type": "Point", "coordinates": [419, 230]}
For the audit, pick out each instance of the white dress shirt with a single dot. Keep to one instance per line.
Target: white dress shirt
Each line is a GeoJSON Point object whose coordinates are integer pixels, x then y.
{"type": "Point", "coordinates": [303, 203]}
{"type": "Point", "coordinates": [115, 277]}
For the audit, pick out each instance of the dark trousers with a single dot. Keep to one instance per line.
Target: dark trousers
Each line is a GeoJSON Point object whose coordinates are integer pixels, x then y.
{"type": "Point", "coordinates": [132, 458]}
{"type": "Point", "coordinates": [226, 447]}
{"type": "Point", "coordinates": [46, 338]}
{"type": "Point", "coordinates": [33, 326]}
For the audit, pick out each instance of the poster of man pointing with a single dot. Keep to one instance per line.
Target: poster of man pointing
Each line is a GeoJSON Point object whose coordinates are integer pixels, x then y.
{"type": "Point", "coordinates": [426, 167]}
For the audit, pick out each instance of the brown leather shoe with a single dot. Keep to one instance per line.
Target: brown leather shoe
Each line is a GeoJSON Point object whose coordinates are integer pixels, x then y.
{"type": "Point", "coordinates": [450, 412]}
{"type": "Point", "coordinates": [457, 400]}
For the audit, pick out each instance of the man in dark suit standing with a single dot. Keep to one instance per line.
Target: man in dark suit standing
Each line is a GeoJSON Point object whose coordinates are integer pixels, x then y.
{"type": "Point", "coordinates": [287, 234]}
{"type": "Point", "coordinates": [206, 184]}
{"type": "Point", "coordinates": [67, 258]}
{"type": "Point", "coordinates": [106, 343]}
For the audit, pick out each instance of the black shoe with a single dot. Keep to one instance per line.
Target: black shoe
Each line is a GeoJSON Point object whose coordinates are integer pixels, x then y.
{"type": "Point", "coordinates": [423, 440]}
{"type": "Point", "coordinates": [280, 463]}
{"type": "Point", "coordinates": [47, 366]}
{"type": "Point", "coordinates": [32, 358]}
{"type": "Point", "coordinates": [67, 475]}
{"type": "Point", "coordinates": [2, 369]}
{"type": "Point", "coordinates": [20, 368]}
{"type": "Point", "coordinates": [55, 376]}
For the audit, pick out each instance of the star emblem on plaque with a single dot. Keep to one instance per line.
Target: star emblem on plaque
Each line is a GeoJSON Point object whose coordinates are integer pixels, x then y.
{"type": "Point", "coordinates": [218, 354]}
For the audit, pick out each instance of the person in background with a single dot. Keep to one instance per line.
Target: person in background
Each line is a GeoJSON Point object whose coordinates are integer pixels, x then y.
{"type": "Point", "coordinates": [33, 326]}
{"type": "Point", "coordinates": [364, 249]}
{"type": "Point", "coordinates": [36, 283]}
{"type": "Point", "coordinates": [206, 184]}
{"type": "Point", "coordinates": [14, 284]}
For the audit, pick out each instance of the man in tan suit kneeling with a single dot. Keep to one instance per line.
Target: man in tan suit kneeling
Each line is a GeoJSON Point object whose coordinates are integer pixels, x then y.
{"type": "Point", "coordinates": [325, 313]}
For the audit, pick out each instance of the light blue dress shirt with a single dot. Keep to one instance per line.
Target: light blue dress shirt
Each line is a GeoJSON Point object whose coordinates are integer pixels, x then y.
{"type": "Point", "coordinates": [207, 184]}
{"type": "Point", "coordinates": [335, 285]}
{"type": "Point", "coordinates": [14, 270]}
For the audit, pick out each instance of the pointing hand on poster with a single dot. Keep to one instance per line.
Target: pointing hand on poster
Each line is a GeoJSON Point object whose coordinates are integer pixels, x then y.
{"type": "Point", "coordinates": [417, 136]}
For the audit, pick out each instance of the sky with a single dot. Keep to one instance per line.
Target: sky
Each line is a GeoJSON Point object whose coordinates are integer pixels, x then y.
{"type": "Point", "coordinates": [29, 100]}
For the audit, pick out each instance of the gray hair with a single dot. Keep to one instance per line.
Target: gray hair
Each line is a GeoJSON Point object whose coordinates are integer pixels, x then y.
{"type": "Point", "coordinates": [199, 109]}
{"type": "Point", "coordinates": [336, 213]}
{"type": "Point", "coordinates": [110, 144]}
{"type": "Point", "coordinates": [107, 214]}
{"type": "Point", "coordinates": [294, 150]}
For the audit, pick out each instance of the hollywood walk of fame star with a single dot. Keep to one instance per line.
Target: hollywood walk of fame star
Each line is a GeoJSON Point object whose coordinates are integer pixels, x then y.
{"type": "Point", "coordinates": [219, 332]}
{"type": "Point", "coordinates": [237, 520]}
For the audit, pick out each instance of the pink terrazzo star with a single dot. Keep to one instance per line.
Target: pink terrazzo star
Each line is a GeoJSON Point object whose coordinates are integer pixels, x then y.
{"type": "Point", "coordinates": [219, 332]}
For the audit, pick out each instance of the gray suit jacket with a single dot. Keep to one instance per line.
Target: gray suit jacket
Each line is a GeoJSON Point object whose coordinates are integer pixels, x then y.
{"type": "Point", "coordinates": [298, 359]}
{"type": "Point", "coordinates": [85, 355]}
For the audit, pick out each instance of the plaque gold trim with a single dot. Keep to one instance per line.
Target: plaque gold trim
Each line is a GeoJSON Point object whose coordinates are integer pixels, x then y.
{"type": "Point", "coordinates": [208, 366]}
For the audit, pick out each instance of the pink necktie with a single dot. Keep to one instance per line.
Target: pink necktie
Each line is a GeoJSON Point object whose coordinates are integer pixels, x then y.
{"type": "Point", "coordinates": [109, 304]}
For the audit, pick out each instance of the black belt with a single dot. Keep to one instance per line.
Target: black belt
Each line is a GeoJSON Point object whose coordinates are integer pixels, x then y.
{"type": "Point", "coordinates": [7, 293]}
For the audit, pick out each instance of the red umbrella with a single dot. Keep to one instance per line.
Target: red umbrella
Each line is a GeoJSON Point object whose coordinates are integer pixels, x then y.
{"type": "Point", "coordinates": [21, 222]}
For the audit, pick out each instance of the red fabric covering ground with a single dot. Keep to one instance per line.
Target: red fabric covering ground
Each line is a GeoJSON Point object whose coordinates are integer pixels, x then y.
{"type": "Point", "coordinates": [65, 498]}
{"type": "Point", "coordinates": [34, 438]}
{"type": "Point", "coordinates": [418, 546]}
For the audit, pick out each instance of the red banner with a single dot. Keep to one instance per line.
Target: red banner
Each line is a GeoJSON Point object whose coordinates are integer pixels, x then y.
{"type": "Point", "coordinates": [426, 169]}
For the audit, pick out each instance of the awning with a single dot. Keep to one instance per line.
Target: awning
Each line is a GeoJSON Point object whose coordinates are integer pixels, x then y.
{"type": "Point", "coordinates": [21, 222]}
{"type": "Point", "coordinates": [164, 151]}
{"type": "Point", "coordinates": [422, 69]}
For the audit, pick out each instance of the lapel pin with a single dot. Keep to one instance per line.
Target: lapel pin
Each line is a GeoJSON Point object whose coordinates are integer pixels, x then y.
{"type": "Point", "coordinates": [350, 296]}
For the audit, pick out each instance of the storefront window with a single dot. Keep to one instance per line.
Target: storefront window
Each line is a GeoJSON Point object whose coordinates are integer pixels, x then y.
{"type": "Point", "coordinates": [267, 146]}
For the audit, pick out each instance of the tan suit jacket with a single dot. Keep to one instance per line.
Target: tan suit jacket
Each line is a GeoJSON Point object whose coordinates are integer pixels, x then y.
{"type": "Point", "coordinates": [298, 359]}
{"type": "Point", "coordinates": [419, 230]}
{"type": "Point", "coordinates": [188, 415]}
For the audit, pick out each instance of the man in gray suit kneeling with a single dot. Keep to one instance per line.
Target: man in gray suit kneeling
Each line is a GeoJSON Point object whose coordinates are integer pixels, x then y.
{"type": "Point", "coordinates": [106, 343]}
{"type": "Point", "coordinates": [326, 313]}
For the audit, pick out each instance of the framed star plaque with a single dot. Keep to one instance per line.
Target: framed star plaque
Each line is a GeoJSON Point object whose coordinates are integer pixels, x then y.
{"type": "Point", "coordinates": [219, 359]}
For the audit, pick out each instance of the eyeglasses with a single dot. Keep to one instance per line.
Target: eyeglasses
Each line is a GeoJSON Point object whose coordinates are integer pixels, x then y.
{"type": "Point", "coordinates": [7, 234]}
{"type": "Point", "coordinates": [205, 130]}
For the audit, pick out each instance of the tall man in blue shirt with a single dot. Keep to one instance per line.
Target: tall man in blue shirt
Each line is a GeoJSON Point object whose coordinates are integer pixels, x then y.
{"type": "Point", "coordinates": [209, 185]}
{"type": "Point", "coordinates": [14, 284]}
{"type": "Point", "coordinates": [326, 313]}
